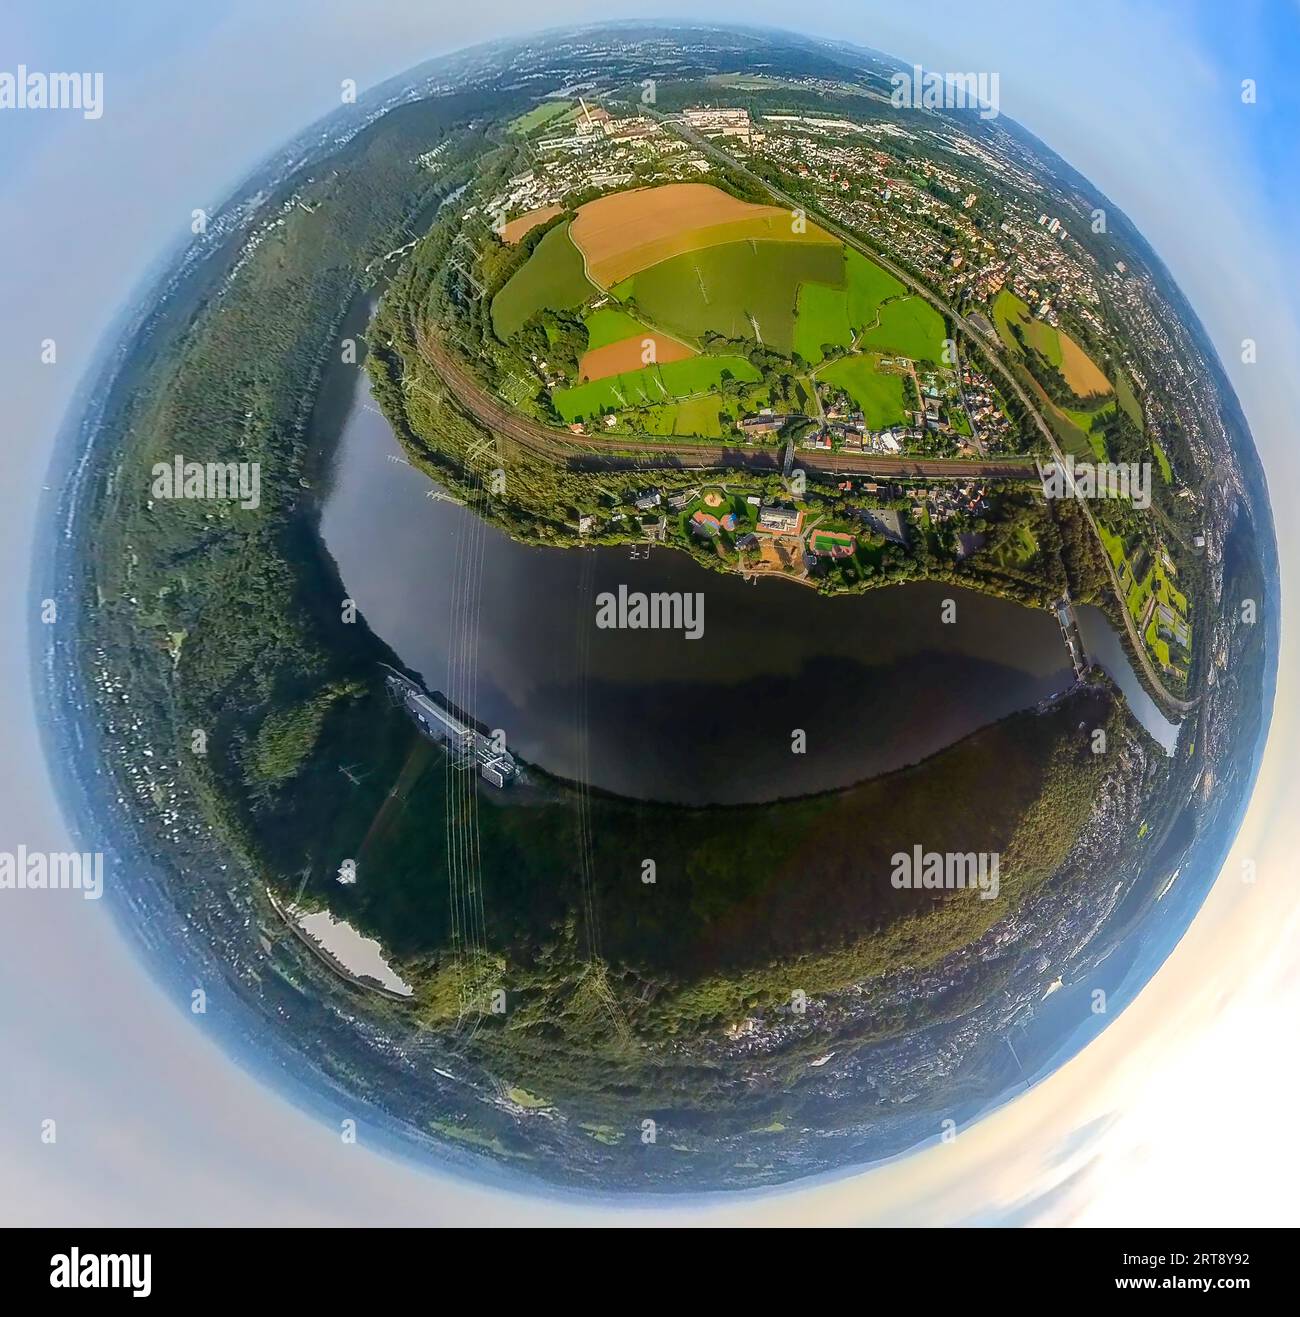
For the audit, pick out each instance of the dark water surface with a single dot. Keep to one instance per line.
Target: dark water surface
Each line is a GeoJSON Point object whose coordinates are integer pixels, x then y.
{"type": "Point", "coordinates": [874, 681]}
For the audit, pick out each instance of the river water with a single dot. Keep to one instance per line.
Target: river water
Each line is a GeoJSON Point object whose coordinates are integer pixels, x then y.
{"type": "Point", "coordinates": [873, 682]}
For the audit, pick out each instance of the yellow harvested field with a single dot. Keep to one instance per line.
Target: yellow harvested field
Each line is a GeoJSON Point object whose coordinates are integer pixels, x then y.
{"type": "Point", "coordinates": [629, 354]}
{"type": "Point", "coordinates": [525, 223]}
{"type": "Point", "coordinates": [630, 231]}
{"type": "Point", "coordinates": [1081, 372]}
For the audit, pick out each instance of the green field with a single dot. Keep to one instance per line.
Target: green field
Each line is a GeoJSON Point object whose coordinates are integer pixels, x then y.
{"type": "Point", "coordinates": [540, 115]}
{"type": "Point", "coordinates": [1079, 373]}
{"type": "Point", "coordinates": [1073, 430]}
{"type": "Point", "coordinates": [610, 324]}
{"type": "Point", "coordinates": [1114, 545]}
{"type": "Point", "coordinates": [823, 317]}
{"type": "Point", "coordinates": [1072, 427]}
{"type": "Point", "coordinates": [1128, 399]}
{"type": "Point", "coordinates": [654, 385]}
{"type": "Point", "coordinates": [698, 416]}
{"type": "Point", "coordinates": [883, 399]}
{"type": "Point", "coordinates": [1008, 309]}
{"type": "Point", "coordinates": [552, 277]}
{"type": "Point", "coordinates": [1092, 445]}
{"type": "Point", "coordinates": [1163, 459]}
{"type": "Point", "coordinates": [909, 327]}
{"type": "Point", "coordinates": [833, 314]}
{"type": "Point", "coordinates": [718, 290]}
{"type": "Point", "coordinates": [868, 286]}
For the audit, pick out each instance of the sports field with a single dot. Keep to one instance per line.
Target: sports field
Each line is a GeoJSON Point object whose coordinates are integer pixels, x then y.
{"type": "Point", "coordinates": [832, 542]}
{"type": "Point", "coordinates": [909, 327]}
{"type": "Point", "coordinates": [740, 289]}
{"type": "Point", "coordinates": [552, 276]}
{"type": "Point", "coordinates": [515, 229]}
{"type": "Point", "coordinates": [882, 398]}
{"type": "Point", "coordinates": [625, 232]}
{"type": "Point", "coordinates": [655, 384]}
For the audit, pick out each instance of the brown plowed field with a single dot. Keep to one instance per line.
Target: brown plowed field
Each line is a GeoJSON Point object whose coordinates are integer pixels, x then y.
{"type": "Point", "coordinates": [630, 231]}
{"type": "Point", "coordinates": [525, 223]}
{"type": "Point", "coordinates": [1081, 373]}
{"type": "Point", "coordinates": [629, 354]}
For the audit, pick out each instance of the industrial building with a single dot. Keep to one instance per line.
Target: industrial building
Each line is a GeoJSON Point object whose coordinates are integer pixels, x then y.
{"type": "Point", "coordinates": [468, 746]}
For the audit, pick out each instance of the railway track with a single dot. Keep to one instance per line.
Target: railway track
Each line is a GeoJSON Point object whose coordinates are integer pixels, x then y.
{"type": "Point", "coordinates": [592, 452]}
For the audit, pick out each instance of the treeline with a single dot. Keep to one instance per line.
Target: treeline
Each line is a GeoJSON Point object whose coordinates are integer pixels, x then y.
{"type": "Point", "coordinates": [227, 621]}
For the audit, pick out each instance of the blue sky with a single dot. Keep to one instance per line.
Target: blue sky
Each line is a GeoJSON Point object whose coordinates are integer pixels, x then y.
{"type": "Point", "coordinates": [1143, 98]}
{"type": "Point", "coordinates": [1264, 36]}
